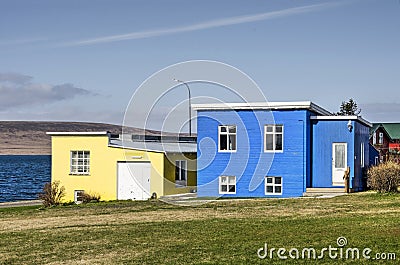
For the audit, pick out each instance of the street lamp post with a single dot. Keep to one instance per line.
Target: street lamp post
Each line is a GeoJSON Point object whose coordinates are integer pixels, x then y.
{"type": "Point", "coordinates": [190, 104]}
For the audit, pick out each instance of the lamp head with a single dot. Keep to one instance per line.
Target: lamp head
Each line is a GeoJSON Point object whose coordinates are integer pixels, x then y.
{"type": "Point", "coordinates": [349, 126]}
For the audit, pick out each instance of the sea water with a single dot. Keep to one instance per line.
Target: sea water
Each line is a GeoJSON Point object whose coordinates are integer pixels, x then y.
{"type": "Point", "coordinates": [22, 177]}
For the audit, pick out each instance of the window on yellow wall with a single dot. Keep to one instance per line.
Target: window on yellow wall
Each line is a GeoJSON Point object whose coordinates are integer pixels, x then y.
{"type": "Point", "coordinates": [78, 196]}
{"type": "Point", "coordinates": [180, 173]}
{"type": "Point", "coordinates": [80, 162]}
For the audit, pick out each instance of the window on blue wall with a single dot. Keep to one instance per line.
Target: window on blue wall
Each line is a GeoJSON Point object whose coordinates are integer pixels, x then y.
{"type": "Point", "coordinates": [273, 140]}
{"type": "Point", "coordinates": [227, 184]}
{"type": "Point", "coordinates": [273, 185]}
{"type": "Point", "coordinates": [362, 156]}
{"type": "Point", "coordinates": [227, 138]}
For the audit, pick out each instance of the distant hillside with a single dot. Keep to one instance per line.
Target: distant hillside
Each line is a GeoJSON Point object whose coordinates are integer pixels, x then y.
{"type": "Point", "coordinates": [29, 137]}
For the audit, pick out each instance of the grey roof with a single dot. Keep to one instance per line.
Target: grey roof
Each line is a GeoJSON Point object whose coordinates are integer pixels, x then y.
{"type": "Point", "coordinates": [263, 106]}
{"type": "Point", "coordinates": [338, 118]}
{"type": "Point", "coordinates": [162, 147]}
{"type": "Point", "coordinates": [77, 133]}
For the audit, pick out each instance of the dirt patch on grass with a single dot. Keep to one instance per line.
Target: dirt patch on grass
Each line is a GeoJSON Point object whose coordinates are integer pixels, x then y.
{"type": "Point", "coordinates": [225, 209]}
{"type": "Point", "coordinates": [124, 213]}
{"type": "Point", "coordinates": [13, 224]}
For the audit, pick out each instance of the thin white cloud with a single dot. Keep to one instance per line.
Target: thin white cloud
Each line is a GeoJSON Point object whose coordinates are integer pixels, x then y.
{"type": "Point", "coordinates": [205, 25]}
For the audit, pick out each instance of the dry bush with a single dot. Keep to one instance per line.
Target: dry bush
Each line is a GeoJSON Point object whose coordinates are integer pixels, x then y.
{"type": "Point", "coordinates": [52, 194]}
{"type": "Point", "coordinates": [87, 197]}
{"type": "Point", "coordinates": [385, 177]}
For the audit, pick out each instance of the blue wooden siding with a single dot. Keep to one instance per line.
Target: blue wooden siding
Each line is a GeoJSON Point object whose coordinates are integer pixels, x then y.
{"type": "Point", "coordinates": [361, 136]}
{"type": "Point", "coordinates": [325, 133]}
{"type": "Point", "coordinates": [308, 144]}
{"type": "Point", "coordinates": [250, 164]}
{"type": "Point", "coordinates": [372, 154]}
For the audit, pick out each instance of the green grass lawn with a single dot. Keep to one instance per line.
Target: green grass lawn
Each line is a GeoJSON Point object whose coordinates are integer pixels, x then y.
{"type": "Point", "coordinates": [221, 232]}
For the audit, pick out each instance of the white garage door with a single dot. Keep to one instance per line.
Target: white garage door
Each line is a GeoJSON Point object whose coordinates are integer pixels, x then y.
{"type": "Point", "coordinates": [133, 181]}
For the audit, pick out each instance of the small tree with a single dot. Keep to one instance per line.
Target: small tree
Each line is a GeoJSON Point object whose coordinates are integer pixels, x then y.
{"type": "Point", "coordinates": [349, 108]}
{"type": "Point", "coordinates": [52, 194]}
{"type": "Point", "coordinates": [385, 177]}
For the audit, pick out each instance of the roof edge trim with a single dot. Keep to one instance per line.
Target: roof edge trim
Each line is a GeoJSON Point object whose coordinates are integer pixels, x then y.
{"type": "Point", "coordinates": [307, 105]}
{"type": "Point", "coordinates": [340, 118]}
{"type": "Point", "coordinates": [77, 133]}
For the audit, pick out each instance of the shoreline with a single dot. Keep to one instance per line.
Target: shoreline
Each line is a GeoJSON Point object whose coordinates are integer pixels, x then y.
{"type": "Point", "coordinates": [20, 203]}
{"type": "Point", "coordinates": [24, 154]}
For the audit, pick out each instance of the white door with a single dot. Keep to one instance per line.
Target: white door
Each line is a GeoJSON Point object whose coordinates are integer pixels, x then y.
{"type": "Point", "coordinates": [339, 163]}
{"type": "Point", "coordinates": [133, 181]}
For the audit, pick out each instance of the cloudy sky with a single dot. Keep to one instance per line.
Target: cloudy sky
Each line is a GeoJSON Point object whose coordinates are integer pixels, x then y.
{"type": "Point", "coordinates": [83, 60]}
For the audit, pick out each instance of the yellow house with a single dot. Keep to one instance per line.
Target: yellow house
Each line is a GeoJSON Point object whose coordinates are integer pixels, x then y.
{"type": "Point", "coordinates": [98, 163]}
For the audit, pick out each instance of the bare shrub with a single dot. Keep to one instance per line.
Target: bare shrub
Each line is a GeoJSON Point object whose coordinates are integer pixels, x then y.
{"type": "Point", "coordinates": [87, 197]}
{"type": "Point", "coordinates": [52, 194]}
{"type": "Point", "coordinates": [385, 177]}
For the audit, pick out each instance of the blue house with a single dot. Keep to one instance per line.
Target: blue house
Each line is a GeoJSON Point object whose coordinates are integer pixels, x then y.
{"type": "Point", "coordinates": [277, 149]}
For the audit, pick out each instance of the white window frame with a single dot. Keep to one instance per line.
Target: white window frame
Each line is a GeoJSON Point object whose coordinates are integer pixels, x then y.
{"type": "Point", "coordinates": [273, 133]}
{"type": "Point", "coordinates": [77, 196]}
{"type": "Point", "coordinates": [376, 160]}
{"type": "Point", "coordinates": [229, 148]}
{"type": "Point", "coordinates": [374, 138]}
{"type": "Point", "coordinates": [380, 141]}
{"type": "Point", "coordinates": [80, 165]}
{"type": "Point", "coordinates": [273, 184]}
{"type": "Point", "coordinates": [230, 181]}
{"type": "Point", "coordinates": [181, 176]}
{"type": "Point", "coordinates": [362, 156]}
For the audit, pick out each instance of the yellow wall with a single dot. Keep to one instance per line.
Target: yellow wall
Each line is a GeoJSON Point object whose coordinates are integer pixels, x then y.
{"type": "Point", "coordinates": [102, 179]}
{"type": "Point", "coordinates": [169, 177]}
